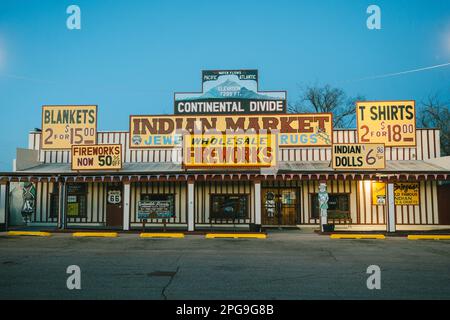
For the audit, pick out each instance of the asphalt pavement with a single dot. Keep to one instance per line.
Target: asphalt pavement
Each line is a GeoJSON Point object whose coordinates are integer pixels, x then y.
{"type": "Point", "coordinates": [286, 265]}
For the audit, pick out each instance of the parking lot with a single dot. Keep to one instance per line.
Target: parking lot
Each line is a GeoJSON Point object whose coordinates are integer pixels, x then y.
{"type": "Point", "coordinates": [286, 265]}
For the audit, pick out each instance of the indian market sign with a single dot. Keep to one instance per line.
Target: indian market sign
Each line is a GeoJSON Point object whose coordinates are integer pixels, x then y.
{"type": "Point", "coordinates": [390, 122]}
{"type": "Point", "coordinates": [64, 126]}
{"type": "Point", "coordinates": [230, 91]}
{"type": "Point", "coordinates": [304, 130]}
{"type": "Point", "coordinates": [97, 157]}
{"type": "Point", "coordinates": [356, 156]}
{"type": "Point", "coordinates": [406, 193]}
{"type": "Point", "coordinates": [230, 150]}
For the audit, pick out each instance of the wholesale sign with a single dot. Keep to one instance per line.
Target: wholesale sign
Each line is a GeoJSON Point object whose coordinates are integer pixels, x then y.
{"type": "Point", "coordinates": [230, 91]}
{"type": "Point", "coordinates": [406, 193]}
{"type": "Point", "coordinates": [390, 122]}
{"type": "Point", "coordinates": [230, 150]}
{"type": "Point", "coordinates": [305, 130]}
{"type": "Point", "coordinates": [97, 157]}
{"type": "Point", "coordinates": [64, 126]}
{"type": "Point", "coordinates": [356, 156]}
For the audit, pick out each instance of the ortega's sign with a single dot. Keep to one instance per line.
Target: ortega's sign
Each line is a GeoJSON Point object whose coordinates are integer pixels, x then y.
{"type": "Point", "coordinates": [406, 193]}
{"type": "Point", "coordinates": [230, 91]}
{"type": "Point", "coordinates": [97, 157]}
{"type": "Point", "coordinates": [230, 150]}
{"type": "Point", "coordinates": [390, 122]}
{"type": "Point", "coordinates": [303, 130]}
{"type": "Point", "coordinates": [358, 156]}
{"type": "Point", "coordinates": [64, 126]}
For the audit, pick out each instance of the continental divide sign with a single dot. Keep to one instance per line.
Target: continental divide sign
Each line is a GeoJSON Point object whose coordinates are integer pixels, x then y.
{"type": "Point", "coordinates": [230, 91]}
{"type": "Point", "coordinates": [303, 129]}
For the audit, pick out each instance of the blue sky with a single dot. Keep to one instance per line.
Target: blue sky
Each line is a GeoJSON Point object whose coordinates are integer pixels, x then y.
{"type": "Point", "coordinates": [131, 56]}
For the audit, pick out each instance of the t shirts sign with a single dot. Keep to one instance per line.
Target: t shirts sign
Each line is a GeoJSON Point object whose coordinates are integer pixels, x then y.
{"type": "Point", "coordinates": [390, 122]}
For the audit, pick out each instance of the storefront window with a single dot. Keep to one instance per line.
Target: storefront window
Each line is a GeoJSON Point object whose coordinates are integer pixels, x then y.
{"type": "Point", "coordinates": [226, 206]}
{"type": "Point", "coordinates": [76, 200]}
{"type": "Point", "coordinates": [338, 206]}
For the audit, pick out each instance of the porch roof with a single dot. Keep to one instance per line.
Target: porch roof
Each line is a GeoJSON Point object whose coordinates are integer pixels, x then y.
{"type": "Point", "coordinates": [316, 170]}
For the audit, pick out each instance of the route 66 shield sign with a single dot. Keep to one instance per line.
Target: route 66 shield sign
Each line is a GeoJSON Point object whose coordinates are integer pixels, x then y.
{"type": "Point", "coordinates": [114, 196]}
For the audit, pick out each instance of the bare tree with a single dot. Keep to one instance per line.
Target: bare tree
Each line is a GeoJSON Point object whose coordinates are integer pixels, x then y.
{"type": "Point", "coordinates": [435, 113]}
{"type": "Point", "coordinates": [328, 99]}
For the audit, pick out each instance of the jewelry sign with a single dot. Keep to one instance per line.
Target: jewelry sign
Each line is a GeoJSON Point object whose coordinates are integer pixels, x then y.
{"type": "Point", "coordinates": [230, 91]}
{"type": "Point", "coordinates": [357, 156]}
{"type": "Point", "coordinates": [97, 157]}
{"type": "Point", "coordinates": [64, 126]}
{"type": "Point", "coordinates": [305, 130]}
{"type": "Point", "coordinates": [390, 122]}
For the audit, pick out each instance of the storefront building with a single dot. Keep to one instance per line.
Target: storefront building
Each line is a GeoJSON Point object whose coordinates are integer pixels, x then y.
{"type": "Point", "coordinates": [61, 186]}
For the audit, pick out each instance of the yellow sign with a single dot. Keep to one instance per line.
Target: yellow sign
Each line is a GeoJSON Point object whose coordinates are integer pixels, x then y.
{"type": "Point", "coordinates": [358, 156]}
{"type": "Point", "coordinates": [406, 193]}
{"type": "Point", "coordinates": [72, 209]}
{"type": "Point", "coordinates": [378, 193]}
{"type": "Point", "coordinates": [97, 157]}
{"type": "Point", "coordinates": [291, 129]}
{"type": "Point", "coordinates": [230, 150]}
{"type": "Point", "coordinates": [64, 126]}
{"type": "Point", "coordinates": [390, 122]}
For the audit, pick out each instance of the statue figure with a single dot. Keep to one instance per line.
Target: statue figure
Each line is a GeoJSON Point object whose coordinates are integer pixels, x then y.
{"type": "Point", "coordinates": [323, 204]}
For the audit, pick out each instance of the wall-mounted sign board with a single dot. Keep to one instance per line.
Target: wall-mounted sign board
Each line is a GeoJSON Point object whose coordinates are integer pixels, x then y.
{"type": "Point", "coordinates": [308, 130]}
{"type": "Point", "coordinates": [97, 157]}
{"type": "Point", "coordinates": [406, 193]}
{"type": "Point", "coordinates": [64, 126]}
{"type": "Point", "coordinates": [378, 193]}
{"type": "Point", "coordinates": [358, 156]}
{"type": "Point", "coordinates": [230, 92]}
{"type": "Point", "coordinates": [390, 122]}
{"type": "Point", "coordinates": [229, 150]}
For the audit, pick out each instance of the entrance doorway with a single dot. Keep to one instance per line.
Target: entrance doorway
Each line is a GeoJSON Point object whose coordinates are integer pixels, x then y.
{"type": "Point", "coordinates": [444, 203]}
{"type": "Point", "coordinates": [114, 205]}
{"type": "Point", "coordinates": [280, 206]}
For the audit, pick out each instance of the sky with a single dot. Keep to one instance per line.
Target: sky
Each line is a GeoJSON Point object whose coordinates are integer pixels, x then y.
{"type": "Point", "coordinates": [129, 57]}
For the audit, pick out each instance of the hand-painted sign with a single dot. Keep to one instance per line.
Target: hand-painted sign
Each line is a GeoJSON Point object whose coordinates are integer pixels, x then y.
{"type": "Point", "coordinates": [97, 157]}
{"type": "Point", "coordinates": [358, 156]}
{"type": "Point", "coordinates": [230, 91]}
{"type": "Point", "coordinates": [156, 209]}
{"type": "Point", "coordinates": [292, 129]}
{"type": "Point", "coordinates": [378, 193]}
{"type": "Point", "coordinates": [390, 122]}
{"type": "Point", "coordinates": [406, 193]}
{"type": "Point", "coordinates": [64, 126]}
{"type": "Point", "coordinates": [229, 150]}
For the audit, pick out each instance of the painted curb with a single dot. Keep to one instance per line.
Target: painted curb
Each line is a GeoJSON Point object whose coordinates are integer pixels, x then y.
{"type": "Point", "coordinates": [29, 233]}
{"type": "Point", "coordinates": [161, 235]}
{"type": "Point", "coordinates": [236, 235]}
